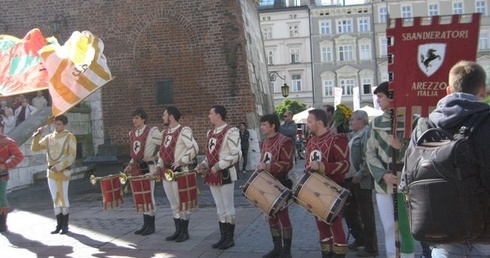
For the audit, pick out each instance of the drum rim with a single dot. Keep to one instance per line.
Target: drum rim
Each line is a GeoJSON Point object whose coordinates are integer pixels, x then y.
{"type": "Point", "coordinates": [274, 209]}
{"type": "Point", "coordinates": [302, 181]}
{"type": "Point", "coordinates": [249, 182]}
{"type": "Point", "coordinates": [341, 199]}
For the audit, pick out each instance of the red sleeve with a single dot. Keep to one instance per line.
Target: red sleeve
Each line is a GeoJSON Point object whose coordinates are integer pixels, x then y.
{"type": "Point", "coordinates": [338, 160]}
{"type": "Point", "coordinates": [286, 159]}
{"type": "Point", "coordinates": [16, 156]}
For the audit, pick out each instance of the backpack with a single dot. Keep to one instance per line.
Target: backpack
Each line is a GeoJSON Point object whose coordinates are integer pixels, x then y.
{"type": "Point", "coordinates": [446, 199]}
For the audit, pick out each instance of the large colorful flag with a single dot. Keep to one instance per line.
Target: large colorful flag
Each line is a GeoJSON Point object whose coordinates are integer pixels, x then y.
{"type": "Point", "coordinates": [75, 70]}
{"type": "Point", "coordinates": [420, 56]}
{"type": "Point", "coordinates": [21, 68]}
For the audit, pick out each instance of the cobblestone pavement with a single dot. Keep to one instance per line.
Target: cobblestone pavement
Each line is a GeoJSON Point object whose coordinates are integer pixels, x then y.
{"type": "Point", "coordinates": [98, 233]}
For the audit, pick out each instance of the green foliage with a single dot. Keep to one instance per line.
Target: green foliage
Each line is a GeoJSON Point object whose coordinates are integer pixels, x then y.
{"type": "Point", "coordinates": [487, 100]}
{"type": "Point", "coordinates": [289, 104]}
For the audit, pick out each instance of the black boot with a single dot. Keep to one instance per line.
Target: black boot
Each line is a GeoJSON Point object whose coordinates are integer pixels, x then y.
{"type": "Point", "coordinates": [184, 233]}
{"type": "Point", "coordinates": [59, 225]}
{"type": "Point", "coordinates": [177, 230]}
{"type": "Point", "coordinates": [230, 234]}
{"type": "Point", "coordinates": [145, 225]}
{"type": "Point", "coordinates": [276, 252]}
{"type": "Point", "coordinates": [64, 228]}
{"type": "Point", "coordinates": [3, 221]}
{"type": "Point", "coordinates": [222, 230]}
{"type": "Point", "coordinates": [151, 226]}
{"type": "Point", "coordinates": [286, 239]}
{"type": "Point", "coordinates": [327, 251]}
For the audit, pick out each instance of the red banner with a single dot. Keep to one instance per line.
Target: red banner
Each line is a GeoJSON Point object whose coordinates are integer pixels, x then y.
{"type": "Point", "coordinates": [420, 56]}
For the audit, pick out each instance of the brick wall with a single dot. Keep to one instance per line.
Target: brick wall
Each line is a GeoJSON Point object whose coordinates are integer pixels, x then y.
{"type": "Point", "coordinates": [205, 46]}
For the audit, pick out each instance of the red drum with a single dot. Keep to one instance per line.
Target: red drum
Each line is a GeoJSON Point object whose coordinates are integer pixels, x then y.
{"type": "Point", "coordinates": [320, 196]}
{"type": "Point", "coordinates": [265, 191]}
{"type": "Point", "coordinates": [111, 191]}
{"type": "Point", "coordinates": [188, 191]}
{"type": "Point", "coordinates": [140, 186]}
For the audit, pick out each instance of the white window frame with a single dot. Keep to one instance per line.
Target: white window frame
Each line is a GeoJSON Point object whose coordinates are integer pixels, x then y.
{"type": "Point", "coordinates": [365, 81]}
{"type": "Point", "coordinates": [293, 30]}
{"type": "Point", "coordinates": [345, 53]}
{"type": "Point", "coordinates": [458, 8]}
{"type": "Point", "coordinates": [270, 57]}
{"type": "Point", "coordinates": [433, 9]}
{"type": "Point", "coordinates": [267, 32]}
{"type": "Point", "coordinates": [296, 83]}
{"type": "Point", "coordinates": [328, 88]}
{"type": "Point", "coordinates": [325, 27]}
{"type": "Point", "coordinates": [347, 86]}
{"type": "Point", "coordinates": [383, 14]}
{"type": "Point", "coordinates": [365, 52]}
{"type": "Point", "coordinates": [483, 42]}
{"type": "Point", "coordinates": [383, 47]}
{"type": "Point", "coordinates": [326, 53]}
{"type": "Point", "coordinates": [363, 24]}
{"type": "Point", "coordinates": [294, 54]}
{"type": "Point", "coordinates": [481, 7]}
{"type": "Point", "coordinates": [406, 12]}
{"type": "Point", "coordinates": [344, 26]}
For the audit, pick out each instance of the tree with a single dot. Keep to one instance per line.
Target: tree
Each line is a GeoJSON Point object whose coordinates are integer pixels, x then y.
{"type": "Point", "coordinates": [290, 104]}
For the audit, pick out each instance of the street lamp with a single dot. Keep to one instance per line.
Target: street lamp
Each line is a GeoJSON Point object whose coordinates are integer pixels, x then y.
{"type": "Point", "coordinates": [284, 88]}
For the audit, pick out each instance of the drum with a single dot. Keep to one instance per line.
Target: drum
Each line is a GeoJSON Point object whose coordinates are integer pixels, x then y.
{"type": "Point", "coordinates": [320, 196]}
{"type": "Point", "coordinates": [265, 191]}
{"type": "Point", "coordinates": [141, 188]}
{"type": "Point", "coordinates": [188, 190]}
{"type": "Point", "coordinates": [111, 191]}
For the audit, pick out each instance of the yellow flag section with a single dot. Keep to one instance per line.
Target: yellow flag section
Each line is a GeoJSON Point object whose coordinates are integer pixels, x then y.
{"type": "Point", "coordinates": [75, 70]}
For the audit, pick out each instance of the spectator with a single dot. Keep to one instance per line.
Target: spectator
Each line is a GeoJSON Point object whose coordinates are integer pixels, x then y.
{"type": "Point", "coordinates": [289, 128]}
{"type": "Point", "coordinates": [8, 121]}
{"type": "Point", "coordinates": [24, 111]}
{"type": "Point", "coordinates": [3, 107]}
{"type": "Point", "coordinates": [244, 136]}
{"type": "Point", "coordinates": [39, 101]}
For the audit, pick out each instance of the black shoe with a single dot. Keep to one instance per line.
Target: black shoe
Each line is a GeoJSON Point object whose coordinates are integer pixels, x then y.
{"type": "Point", "coordinates": [145, 225]}
{"type": "Point", "coordinates": [364, 253]}
{"type": "Point", "coordinates": [353, 246]}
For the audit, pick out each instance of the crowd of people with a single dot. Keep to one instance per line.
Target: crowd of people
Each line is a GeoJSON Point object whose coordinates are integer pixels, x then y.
{"type": "Point", "coordinates": [360, 160]}
{"type": "Point", "coordinates": [16, 110]}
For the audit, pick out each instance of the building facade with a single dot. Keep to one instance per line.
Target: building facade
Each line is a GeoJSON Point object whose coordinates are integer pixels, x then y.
{"type": "Point", "coordinates": [349, 46]}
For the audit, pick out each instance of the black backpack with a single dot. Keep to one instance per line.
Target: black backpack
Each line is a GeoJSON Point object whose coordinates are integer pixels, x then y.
{"type": "Point", "coordinates": [446, 199]}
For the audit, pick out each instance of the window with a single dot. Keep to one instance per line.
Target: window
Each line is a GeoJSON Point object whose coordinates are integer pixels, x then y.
{"type": "Point", "coordinates": [383, 44]}
{"type": "Point", "coordinates": [481, 7]}
{"type": "Point", "coordinates": [328, 88]}
{"type": "Point", "coordinates": [270, 57]}
{"type": "Point", "coordinates": [294, 55]}
{"type": "Point", "coordinates": [266, 2]}
{"type": "Point", "coordinates": [326, 54]}
{"type": "Point", "coordinates": [363, 25]}
{"type": "Point", "coordinates": [365, 52]}
{"type": "Point", "coordinates": [297, 2]}
{"type": "Point", "coordinates": [325, 27]}
{"type": "Point", "coordinates": [382, 14]}
{"type": "Point", "coordinates": [344, 26]}
{"type": "Point", "coordinates": [407, 12]}
{"type": "Point", "coordinates": [293, 31]}
{"type": "Point", "coordinates": [267, 32]}
{"type": "Point", "coordinates": [346, 53]}
{"type": "Point", "coordinates": [296, 82]}
{"type": "Point", "coordinates": [347, 86]}
{"type": "Point", "coordinates": [483, 41]}
{"type": "Point", "coordinates": [366, 86]}
{"type": "Point", "coordinates": [458, 8]}
{"type": "Point", "coordinates": [433, 9]}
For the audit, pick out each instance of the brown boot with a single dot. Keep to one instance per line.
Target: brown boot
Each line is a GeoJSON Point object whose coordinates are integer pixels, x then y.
{"type": "Point", "coordinates": [339, 250]}
{"type": "Point", "coordinates": [327, 251]}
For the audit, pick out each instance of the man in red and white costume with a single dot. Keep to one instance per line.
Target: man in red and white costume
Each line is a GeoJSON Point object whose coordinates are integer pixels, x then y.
{"type": "Point", "coordinates": [222, 153]}
{"type": "Point", "coordinates": [143, 142]}
{"type": "Point", "coordinates": [327, 153]}
{"type": "Point", "coordinates": [277, 158]}
{"type": "Point", "coordinates": [177, 150]}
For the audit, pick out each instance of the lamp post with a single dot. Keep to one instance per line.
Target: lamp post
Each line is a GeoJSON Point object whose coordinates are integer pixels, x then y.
{"type": "Point", "coordinates": [284, 88]}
